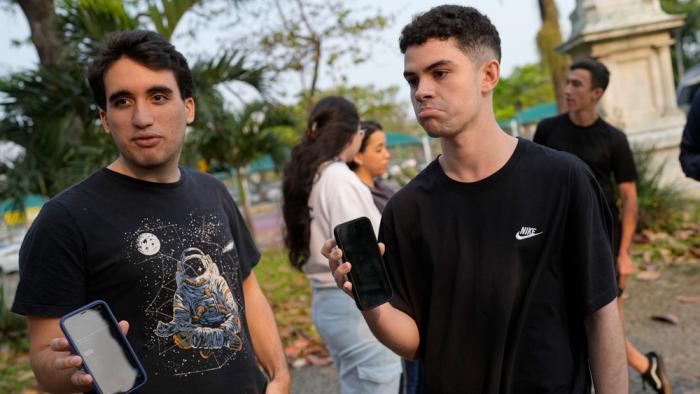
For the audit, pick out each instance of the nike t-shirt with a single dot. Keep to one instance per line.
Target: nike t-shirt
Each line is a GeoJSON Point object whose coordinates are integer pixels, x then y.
{"type": "Point", "coordinates": [500, 273]}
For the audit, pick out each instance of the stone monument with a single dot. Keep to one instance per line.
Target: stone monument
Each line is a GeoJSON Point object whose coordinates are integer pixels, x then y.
{"type": "Point", "coordinates": [633, 39]}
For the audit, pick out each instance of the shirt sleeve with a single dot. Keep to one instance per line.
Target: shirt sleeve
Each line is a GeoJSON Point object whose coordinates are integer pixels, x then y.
{"type": "Point", "coordinates": [623, 165]}
{"type": "Point", "coordinates": [590, 265]}
{"type": "Point", "coordinates": [248, 253]}
{"type": "Point", "coordinates": [690, 143]}
{"type": "Point", "coordinates": [52, 265]}
{"type": "Point", "coordinates": [540, 133]}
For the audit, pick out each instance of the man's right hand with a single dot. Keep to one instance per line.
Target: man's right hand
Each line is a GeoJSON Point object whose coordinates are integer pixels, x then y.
{"type": "Point", "coordinates": [394, 328]}
{"type": "Point", "coordinates": [340, 269]}
{"type": "Point", "coordinates": [71, 361]}
{"type": "Point", "coordinates": [55, 368]}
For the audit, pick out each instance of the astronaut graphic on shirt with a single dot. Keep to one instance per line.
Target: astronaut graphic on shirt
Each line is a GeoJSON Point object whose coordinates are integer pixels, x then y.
{"type": "Point", "coordinates": [205, 315]}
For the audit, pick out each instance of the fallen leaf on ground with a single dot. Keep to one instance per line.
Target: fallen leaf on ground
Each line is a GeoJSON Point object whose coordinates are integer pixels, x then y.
{"type": "Point", "coordinates": [666, 255]}
{"type": "Point", "coordinates": [695, 251]}
{"type": "Point", "coordinates": [24, 375]}
{"type": "Point", "coordinates": [319, 361]}
{"type": "Point", "coordinates": [641, 239]}
{"type": "Point", "coordinates": [688, 299]}
{"type": "Point", "coordinates": [655, 236]}
{"type": "Point", "coordinates": [667, 318]}
{"type": "Point", "coordinates": [683, 234]}
{"type": "Point", "coordinates": [648, 275]}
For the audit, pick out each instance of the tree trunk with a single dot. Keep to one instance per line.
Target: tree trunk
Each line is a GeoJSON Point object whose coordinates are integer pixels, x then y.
{"type": "Point", "coordinates": [243, 195]}
{"type": "Point", "coordinates": [548, 38]}
{"type": "Point", "coordinates": [45, 34]}
{"type": "Point", "coordinates": [314, 75]}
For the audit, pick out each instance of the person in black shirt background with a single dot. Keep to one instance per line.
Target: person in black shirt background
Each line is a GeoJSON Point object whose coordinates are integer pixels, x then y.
{"type": "Point", "coordinates": [582, 132]}
{"type": "Point", "coordinates": [498, 251]}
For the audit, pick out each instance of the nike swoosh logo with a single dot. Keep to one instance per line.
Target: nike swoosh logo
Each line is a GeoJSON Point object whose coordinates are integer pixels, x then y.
{"type": "Point", "coordinates": [521, 237]}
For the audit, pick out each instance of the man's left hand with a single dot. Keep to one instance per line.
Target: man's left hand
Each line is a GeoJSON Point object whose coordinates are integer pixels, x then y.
{"type": "Point", "coordinates": [279, 386]}
{"type": "Point", "coordinates": [624, 268]}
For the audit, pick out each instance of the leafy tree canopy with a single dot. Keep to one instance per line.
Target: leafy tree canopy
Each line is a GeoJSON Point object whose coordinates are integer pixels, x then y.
{"type": "Point", "coordinates": [526, 86]}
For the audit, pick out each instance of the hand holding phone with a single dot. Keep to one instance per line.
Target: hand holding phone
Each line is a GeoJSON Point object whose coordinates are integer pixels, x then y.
{"type": "Point", "coordinates": [370, 281]}
{"type": "Point", "coordinates": [107, 357]}
{"type": "Point", "coordinates": [73, 361]}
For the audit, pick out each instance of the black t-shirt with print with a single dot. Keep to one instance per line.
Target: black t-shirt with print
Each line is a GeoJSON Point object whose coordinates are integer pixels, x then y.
{"type": "Point", "coordinates": [603, 147]}
{"type": "Point", "coordinates": [500, 273]}
{"type": "Point", "coordinates": [168, 258]}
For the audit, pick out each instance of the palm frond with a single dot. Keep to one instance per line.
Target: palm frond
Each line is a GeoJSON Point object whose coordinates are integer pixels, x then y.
{"type": "Point", "coordinates": [166, 14]}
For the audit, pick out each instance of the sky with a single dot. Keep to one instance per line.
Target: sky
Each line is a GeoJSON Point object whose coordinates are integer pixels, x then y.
{"type": "Point", "coordinates": [516, 20]}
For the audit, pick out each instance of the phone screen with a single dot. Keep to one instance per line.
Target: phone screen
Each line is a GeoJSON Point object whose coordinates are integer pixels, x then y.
{"type": "Point", "coordinates": [369, 278]}
{"type": "Point", "coordinates": [106, 354]}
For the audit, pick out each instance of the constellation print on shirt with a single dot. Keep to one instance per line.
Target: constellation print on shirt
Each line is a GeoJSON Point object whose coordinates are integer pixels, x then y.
{"type": "Point", "coordinates": [193, 304]}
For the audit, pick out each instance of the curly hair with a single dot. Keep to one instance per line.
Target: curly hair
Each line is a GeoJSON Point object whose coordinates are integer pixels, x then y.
{"type": "Point", "coordinates": [473, 30]}
{"type": "Point", "coordinates": [144, 47]}
{"type": "Point", "coordinates": [332, 124]}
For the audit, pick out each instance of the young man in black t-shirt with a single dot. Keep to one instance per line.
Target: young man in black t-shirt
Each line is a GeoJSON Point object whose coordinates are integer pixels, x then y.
{"type": "Point", "coordinates": [605, 149]}
{"type": "Point", "coordinates": [164, 246]}
{"type": "Point", "coordinates": [498, 252]}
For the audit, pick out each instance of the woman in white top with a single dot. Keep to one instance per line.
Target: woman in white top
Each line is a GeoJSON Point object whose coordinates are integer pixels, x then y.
{"type": "Point", "coordinates": [320, 192]}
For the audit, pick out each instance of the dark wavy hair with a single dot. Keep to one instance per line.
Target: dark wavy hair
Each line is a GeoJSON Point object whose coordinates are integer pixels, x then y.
{"type": "Point", "coordinates": [600, 75]}
{"type": "Point", "coordinates": [369, 126]}
{"type": "Point", "coordinates": [144, 47]}
{"type": "Point", "coordinates": [473, 30]}
{"type": "Point", "coordinates": [332, 123]}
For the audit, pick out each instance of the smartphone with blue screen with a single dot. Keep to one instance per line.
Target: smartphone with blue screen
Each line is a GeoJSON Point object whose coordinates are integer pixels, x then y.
{"type": "Point", "coordinates": [94, 335]}
{"type": "Point", "coordinates": [369, 278]}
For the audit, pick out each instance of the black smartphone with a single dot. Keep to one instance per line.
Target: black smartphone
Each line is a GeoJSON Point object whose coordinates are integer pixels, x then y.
{"type": "Point", "coordinates": [370, 281]}
{"type": "Point", "coordinates": [94, 335]}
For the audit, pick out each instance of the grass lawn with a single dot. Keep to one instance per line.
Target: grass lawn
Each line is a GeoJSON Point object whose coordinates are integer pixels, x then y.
{"type": "Point", "coordinates": [289, 294]}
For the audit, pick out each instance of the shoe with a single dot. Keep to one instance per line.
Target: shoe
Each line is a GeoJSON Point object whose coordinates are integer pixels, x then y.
{"type": "Point", "coordinates": [655, 376]}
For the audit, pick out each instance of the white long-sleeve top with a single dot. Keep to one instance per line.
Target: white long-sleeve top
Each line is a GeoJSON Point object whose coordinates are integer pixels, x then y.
{"type": "Point", "coordinates": [337, 196]}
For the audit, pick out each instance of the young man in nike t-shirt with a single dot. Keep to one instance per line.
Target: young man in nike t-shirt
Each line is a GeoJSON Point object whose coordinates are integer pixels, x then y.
{"type": "Point", "coordinates": [498, 252]}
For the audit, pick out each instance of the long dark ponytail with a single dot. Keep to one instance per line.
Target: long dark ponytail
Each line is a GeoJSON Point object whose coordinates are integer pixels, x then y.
{"type": "Point", "coordinates": [332, 123]}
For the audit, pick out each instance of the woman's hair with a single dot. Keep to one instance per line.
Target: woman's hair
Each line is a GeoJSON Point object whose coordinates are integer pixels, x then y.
{"type": "Point", "coordinates": [332, 123]}
{"type": "Point", "coordinates": [369, 127]}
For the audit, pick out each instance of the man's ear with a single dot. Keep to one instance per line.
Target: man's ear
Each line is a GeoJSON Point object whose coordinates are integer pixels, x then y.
{"type": "Point", "coordinates": [103, 119]}
{"type": "Point", "coordinates": [598, 93]}
{"type": "Point", "coordinates": [491, 74]}
{"type": "Point", "coordinates": [190, 108]}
